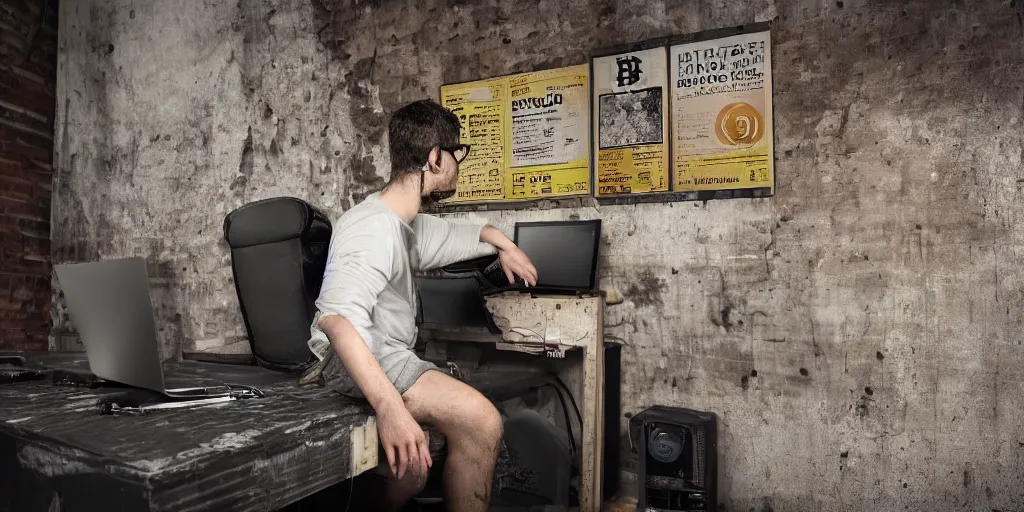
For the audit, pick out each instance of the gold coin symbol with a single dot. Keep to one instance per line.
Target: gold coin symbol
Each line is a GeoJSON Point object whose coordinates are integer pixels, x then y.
{"type": "Point", "coordinates": [739, 124]}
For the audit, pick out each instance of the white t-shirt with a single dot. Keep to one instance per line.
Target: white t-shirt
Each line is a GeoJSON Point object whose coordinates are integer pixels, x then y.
{"type": "Point", "coordinates": [369, 277]}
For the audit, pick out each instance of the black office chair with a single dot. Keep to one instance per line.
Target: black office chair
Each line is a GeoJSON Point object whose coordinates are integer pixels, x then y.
{"type": "Point", "coordinates": [278, 255]}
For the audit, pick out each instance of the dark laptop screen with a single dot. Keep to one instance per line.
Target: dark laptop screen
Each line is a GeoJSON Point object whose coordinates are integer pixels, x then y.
{"type": "Point", "coordinates": [564, 253]}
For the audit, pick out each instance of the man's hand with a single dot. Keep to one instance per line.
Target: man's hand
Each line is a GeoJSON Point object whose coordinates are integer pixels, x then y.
{"type": "Point", "coordinates": [515, 263]}
{"type": "Point", "coordinates": [513, 260]}
{"type": "Point", "coordinates": [404, 441]}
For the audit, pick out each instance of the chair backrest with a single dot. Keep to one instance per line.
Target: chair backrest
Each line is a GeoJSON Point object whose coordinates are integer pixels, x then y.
{"type": "Point", "coordinates": [278, 255]}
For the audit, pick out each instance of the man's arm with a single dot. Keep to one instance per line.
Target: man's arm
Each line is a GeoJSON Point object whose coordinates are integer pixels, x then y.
{"type": "Point", "coordinates": [441, 242]}
{"type": "Point", "coordinates": [493, 236]}
{"type": "Point", "coordinates": [355, 276]}
{"type": "Point", "coordinates": [358, 360]}
{"type": "Point", "coordinates": [402, 438]}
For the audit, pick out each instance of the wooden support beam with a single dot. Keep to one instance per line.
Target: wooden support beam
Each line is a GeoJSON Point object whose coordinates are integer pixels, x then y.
{"type": "Point", "coordinates": [565, 321]}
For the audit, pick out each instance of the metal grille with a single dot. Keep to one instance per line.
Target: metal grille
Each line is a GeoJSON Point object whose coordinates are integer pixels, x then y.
{"type": "Point", "coordinates": [700, 450]}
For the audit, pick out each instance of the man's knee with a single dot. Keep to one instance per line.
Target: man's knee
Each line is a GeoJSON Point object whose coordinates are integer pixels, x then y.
{"type": "Point", "coordinates": [491, 427]}
{"type": "Point", "coordinates": [482, 426]}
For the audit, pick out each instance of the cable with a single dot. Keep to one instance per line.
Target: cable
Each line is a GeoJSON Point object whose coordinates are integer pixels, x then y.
{"type": "Point", "coordinates": [571, 399]}
{"type": "Point", "coordinates": [351, 489]}
{"type": "Point", "coordinates": [568, 422]}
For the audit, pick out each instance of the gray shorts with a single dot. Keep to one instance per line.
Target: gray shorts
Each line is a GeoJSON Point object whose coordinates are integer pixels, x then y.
{"type": "Point", "coordinates": [338, 380]}
{"type": "Point", "coordinates": [409, 370]}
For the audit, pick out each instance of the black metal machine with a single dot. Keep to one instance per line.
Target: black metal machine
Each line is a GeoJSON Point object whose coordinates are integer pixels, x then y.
{"type": "Point", "coordinates": [678, 459]}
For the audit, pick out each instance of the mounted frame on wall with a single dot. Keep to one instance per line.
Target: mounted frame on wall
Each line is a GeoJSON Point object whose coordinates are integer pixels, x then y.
{"type": "Point", "coordinates": [684, 118]}
{"type": "Point", "coordinates": [671, 119]}
{"type": "Point", "coordinates": [529, 135]}
{"type": "Point", "coordinates": [722, 131]}
{"type": "Point", "coordinates": [630, 122]}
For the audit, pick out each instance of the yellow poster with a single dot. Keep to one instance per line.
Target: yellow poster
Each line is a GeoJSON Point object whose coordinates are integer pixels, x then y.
{"type": "Point", "coordinates": [722, 114]}
{"type": "Point", "coordinates": [529, 135]}
{"type": "Point", "coordinates": [548, 136]}
{"type": "Point", "coordinates": [630, 106]}
{"type": "Point", "coordinates": [480, 107]}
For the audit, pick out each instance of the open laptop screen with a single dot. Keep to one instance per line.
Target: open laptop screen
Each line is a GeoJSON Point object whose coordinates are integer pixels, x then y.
{"type": "Point", "coordinates": [565, 253]}
{"type": "Point", "coordinates": [109, 304]}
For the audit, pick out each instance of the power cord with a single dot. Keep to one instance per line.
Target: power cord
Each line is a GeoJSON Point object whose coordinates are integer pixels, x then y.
{"type": "Point", "coordinates": [568, 422]}
{"type": "Point", "coordinates": [571, 399]}
{"type": "Point", "coordinates": [351, 489]}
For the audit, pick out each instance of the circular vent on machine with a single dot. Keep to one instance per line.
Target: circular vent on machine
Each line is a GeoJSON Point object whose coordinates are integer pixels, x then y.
{"type": "Point", "coordinates": [664, 445]}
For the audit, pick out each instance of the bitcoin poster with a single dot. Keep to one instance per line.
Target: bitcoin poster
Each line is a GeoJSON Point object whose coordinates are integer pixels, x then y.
{"type": "Point", "coordinates": [630, 112]}
{"type": "Point", "coordinates": [721, 114]}
{"type": "Point", "coordinates": [549, 133]}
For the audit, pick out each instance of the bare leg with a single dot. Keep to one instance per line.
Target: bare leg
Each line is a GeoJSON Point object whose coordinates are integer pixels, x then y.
{"type": "Point", "coordinates": [399, 492]}
{"type": "Point", "coordinates": [473, 428]}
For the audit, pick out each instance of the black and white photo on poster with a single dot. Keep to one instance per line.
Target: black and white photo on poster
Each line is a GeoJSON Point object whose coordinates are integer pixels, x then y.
{"type": "Point", "coordinates": [631, 118]}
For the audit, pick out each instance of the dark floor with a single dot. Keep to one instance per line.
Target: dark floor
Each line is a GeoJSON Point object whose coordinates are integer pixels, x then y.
{"type": "Point", "coordinates": [362, 494]}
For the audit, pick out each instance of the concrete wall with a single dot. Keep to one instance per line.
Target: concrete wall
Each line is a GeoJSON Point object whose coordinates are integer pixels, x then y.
{"type": "Point", "coordinates": [28, 78]}
{"type": "Point", "coordinates": [859, 334]}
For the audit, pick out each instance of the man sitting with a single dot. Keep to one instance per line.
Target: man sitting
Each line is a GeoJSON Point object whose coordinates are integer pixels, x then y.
{"type": "Point", "coordinates": [367, 308]}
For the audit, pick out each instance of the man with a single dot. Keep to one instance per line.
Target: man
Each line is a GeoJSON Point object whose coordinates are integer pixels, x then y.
{"type": "Point", "coordinates": [367, 304]}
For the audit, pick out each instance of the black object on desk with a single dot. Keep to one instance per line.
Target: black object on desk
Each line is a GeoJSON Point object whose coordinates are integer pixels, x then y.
{"type": "Point", "coordinates": [565, 254]}
{"type": "Point", "coordinates": [11, 373]}
{"type": "Point", "coordinates": [453, 302]}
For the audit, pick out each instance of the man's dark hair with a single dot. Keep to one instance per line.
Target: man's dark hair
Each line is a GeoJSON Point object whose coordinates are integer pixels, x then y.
{"type": "Point", "coordinates": [414, 130]}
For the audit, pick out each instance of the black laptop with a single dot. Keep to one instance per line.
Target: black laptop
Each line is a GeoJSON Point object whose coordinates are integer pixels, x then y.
{"type": "Point", "coordinates": [565, 254]}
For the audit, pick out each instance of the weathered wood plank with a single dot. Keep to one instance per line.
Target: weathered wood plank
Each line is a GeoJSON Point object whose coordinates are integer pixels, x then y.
{"type": "Point", "coordinates": [556, 319]}
{"type": "Point", "coordinates": [257, 454]}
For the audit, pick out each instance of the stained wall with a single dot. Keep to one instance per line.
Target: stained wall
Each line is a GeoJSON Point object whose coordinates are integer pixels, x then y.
{"type": "Point", "coordinates": [859, 334]}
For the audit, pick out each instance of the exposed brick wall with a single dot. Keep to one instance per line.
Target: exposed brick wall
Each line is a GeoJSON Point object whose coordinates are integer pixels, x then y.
{"type": "Point", "coordinates": [28, 62]}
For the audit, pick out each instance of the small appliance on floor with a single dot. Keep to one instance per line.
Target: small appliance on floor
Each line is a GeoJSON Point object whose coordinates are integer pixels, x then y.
{"type": "Point", "coordinates": [678, 459]}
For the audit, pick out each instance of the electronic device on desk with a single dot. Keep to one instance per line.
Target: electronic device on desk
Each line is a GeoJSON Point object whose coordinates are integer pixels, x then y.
{"type": "Point", "coordinates": [678, 459]}
{"type": "Point", "coordinates": [108, 302]}
{"type": "Point", "coordinates": [565, 254]}
{"type": "Point", "coordinates": [454, 302]}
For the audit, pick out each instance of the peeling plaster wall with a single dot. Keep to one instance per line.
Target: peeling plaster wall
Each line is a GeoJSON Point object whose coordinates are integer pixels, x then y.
{"type": "Point", "coordinates": [859, 334]}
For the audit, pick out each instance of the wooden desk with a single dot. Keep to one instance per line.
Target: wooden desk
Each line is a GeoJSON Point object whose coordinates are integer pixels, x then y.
{"type": "Point", "coordinates": [248, 455]}
{"type": "Point", "coordinates": [58, 453]}
{"type": "Point", "coordinates": [548, 326]}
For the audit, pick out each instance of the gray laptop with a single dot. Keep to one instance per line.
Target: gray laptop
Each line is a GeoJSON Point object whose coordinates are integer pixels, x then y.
{"type": "Point", "coordinates": [108, 302]}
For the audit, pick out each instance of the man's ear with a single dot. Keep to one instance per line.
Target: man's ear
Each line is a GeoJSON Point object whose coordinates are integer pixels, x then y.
{"type": "Point", "coordinates": [434, 159]}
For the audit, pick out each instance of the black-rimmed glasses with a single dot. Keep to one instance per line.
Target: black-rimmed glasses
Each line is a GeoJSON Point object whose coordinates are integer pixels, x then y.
{"type": "Point", "coordinates": [458, 151]}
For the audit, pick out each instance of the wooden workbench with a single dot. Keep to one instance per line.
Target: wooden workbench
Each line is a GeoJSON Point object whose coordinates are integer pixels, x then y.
{"type": "Point", "coordinates": [58, 453]}
{"type": "Point", "coordinates": [258, 454]}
